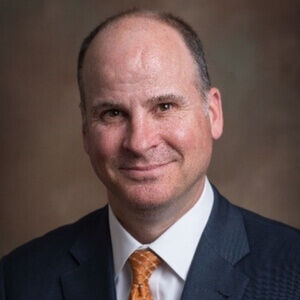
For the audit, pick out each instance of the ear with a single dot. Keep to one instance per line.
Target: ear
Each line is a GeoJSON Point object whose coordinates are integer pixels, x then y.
{"type": "Point", "coordinates": [215, 112]}
{"type": "Point", "coordinates": [84, 128]}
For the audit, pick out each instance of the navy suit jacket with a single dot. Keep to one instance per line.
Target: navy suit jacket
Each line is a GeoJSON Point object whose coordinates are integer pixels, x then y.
{"type": "Point", "coordinates": [240, 256]}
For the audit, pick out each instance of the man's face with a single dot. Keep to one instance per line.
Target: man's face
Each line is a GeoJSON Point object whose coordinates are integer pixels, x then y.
{"type": "Point", "coordinates": [146, 130]}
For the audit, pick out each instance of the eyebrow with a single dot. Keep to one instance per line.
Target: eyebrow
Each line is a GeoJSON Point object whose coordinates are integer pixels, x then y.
{"type": "Point", "coordinates": [163, 98]}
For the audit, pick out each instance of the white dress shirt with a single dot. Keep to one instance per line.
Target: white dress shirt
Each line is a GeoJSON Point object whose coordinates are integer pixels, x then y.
{"type": "Point", "coordinates": [176, 246]}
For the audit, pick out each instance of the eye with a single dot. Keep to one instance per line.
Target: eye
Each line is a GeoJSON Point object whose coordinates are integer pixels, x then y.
{"type": "Point", "coordinates": [111, 115]}
{"type": "Point", "coordinates": [165, 106]}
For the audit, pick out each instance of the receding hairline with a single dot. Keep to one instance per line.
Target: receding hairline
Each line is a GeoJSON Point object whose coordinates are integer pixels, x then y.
{"type": "Point", "coordinates": [183, 29]}
{"type": "Point", "coordinates": [154, 25]}
{"type": "Point", "coordinates": [139, 14]}
{"type": "Point", "coordinates": [117, 24]}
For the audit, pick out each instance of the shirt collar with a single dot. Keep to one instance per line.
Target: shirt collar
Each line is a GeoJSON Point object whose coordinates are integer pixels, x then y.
{"type": "Point", "coordinates": [189, 227]}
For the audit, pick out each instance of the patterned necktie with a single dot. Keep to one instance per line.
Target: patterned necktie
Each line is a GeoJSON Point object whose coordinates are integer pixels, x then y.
{"type": "Point", "coordinates": [143, 263]}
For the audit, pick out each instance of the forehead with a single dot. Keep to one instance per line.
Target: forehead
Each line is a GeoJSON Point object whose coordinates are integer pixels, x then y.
{"type": "Point", "coordinates": [135, 49]}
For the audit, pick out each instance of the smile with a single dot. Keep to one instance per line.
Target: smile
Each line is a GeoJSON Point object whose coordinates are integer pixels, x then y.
{"type": "Point", "coordinates": [144, 172]}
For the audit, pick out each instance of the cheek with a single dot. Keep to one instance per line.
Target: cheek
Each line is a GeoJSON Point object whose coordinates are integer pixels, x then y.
{"type": "Point", "coordinates": [190, 137]}
{"type": "Point", "coordinates": [104, 143]}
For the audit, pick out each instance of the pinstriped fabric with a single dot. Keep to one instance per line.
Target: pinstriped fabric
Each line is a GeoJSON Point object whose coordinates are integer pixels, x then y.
{"type": "Point", "coordinates": [143, 263]}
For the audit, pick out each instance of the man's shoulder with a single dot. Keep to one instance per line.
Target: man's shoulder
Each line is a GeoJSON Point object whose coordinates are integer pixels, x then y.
{"type": "Point", "coordinates": [262, 231]}
{"type": "Point", "coordinates": [269, 234]}
{"type": "Point", "coordinates": [267, 239]}
{"type": "Point", "coordinates": [55, 243]}
{"type": "Point", "coordinates": [40, 263]}
{"type": "Point", "coordinates": [272, 244]}
{"type": "Point", "coordinates": [273, 261]}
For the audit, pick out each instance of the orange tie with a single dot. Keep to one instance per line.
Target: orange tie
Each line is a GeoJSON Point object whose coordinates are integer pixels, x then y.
{"type": "Point", "coordinates": [143, 263]}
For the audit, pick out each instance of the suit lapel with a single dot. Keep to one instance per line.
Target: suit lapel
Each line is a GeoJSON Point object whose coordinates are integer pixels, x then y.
{"type": "Point", "coordinates": [214, 273]}
{"type": "Point", "coordinates": [93, 277]}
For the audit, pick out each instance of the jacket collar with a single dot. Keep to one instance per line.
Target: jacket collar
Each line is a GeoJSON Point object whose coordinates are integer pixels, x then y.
{"type": "Point", "coordinates": [93, 277]}
{"type": "Point", "coordinates": [214, 272]}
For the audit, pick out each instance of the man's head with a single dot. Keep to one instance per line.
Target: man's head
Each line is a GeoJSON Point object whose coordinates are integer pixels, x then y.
{"type": "Point", "coordinates": [145, 128]}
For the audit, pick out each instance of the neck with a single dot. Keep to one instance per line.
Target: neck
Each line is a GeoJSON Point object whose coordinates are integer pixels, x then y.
{"type": "Point", "coordinates": [145, 224]}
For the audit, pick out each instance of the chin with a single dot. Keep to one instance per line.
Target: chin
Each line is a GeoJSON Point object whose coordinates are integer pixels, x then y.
{"type": "Point", "coordinates": [144, 197]}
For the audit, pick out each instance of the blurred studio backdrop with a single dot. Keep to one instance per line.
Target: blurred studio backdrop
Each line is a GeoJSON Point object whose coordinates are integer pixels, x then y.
{"type": "Point", "coordinates": [252, 49]}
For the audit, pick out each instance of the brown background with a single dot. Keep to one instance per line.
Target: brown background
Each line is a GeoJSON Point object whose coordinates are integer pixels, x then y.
{"type": "Point", "coordinates": [253, 55]}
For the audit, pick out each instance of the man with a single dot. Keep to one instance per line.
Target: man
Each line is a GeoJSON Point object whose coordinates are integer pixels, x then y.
{"type": "Point", "coordinates": [149, 120]}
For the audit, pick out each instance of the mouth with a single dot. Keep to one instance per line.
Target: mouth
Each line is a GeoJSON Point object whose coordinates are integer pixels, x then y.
{"type": "Point", "coordinates": [142, 172]}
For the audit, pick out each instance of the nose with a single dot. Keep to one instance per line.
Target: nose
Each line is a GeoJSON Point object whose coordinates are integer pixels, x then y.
{"type": "Point", "coordinates": [142, 134]}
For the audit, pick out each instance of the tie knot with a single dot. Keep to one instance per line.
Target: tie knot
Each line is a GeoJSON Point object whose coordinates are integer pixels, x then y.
{"type": "Point", "coordinates": [143, 263]}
